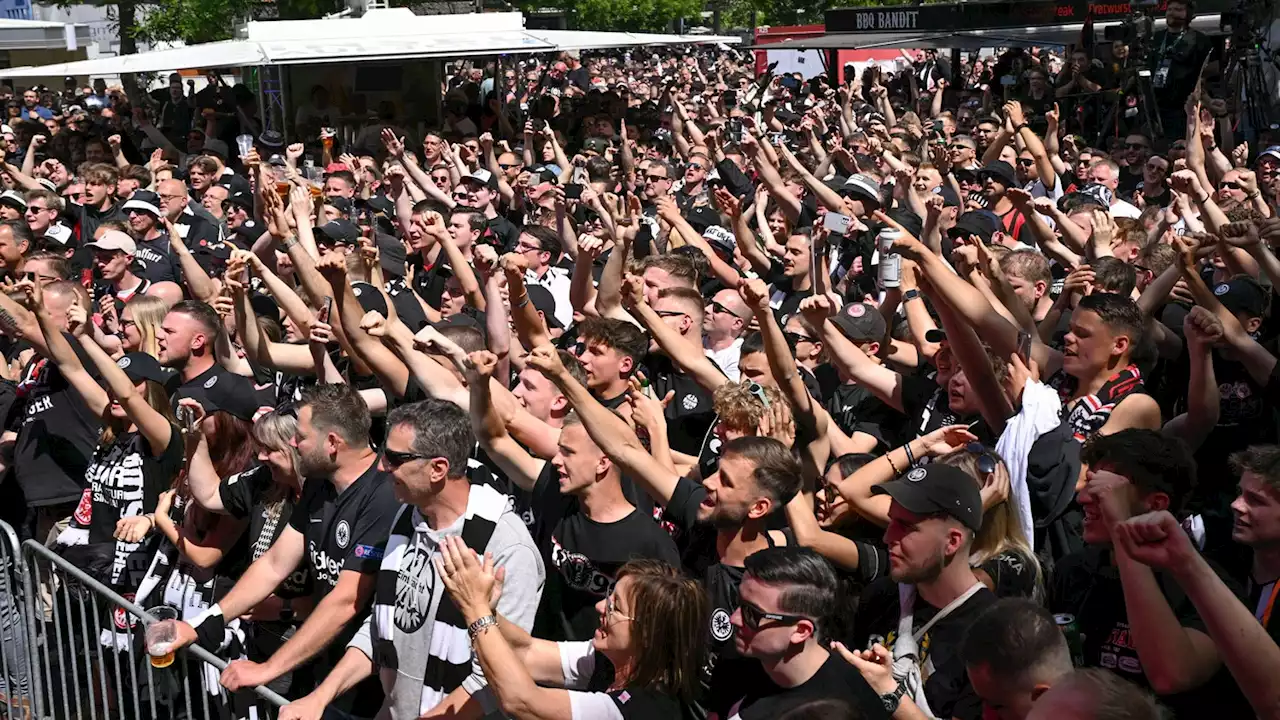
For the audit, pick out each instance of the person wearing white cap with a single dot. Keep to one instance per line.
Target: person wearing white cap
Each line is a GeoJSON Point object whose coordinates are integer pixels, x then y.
{"type": "Point", "coordinates": [113, 253]}
{"type": "Point", "coordinates": [155, 257]}
{"type": "Point", "coordinates": [12, 205]}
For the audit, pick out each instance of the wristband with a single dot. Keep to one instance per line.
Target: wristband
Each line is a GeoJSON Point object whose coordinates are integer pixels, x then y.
{"type": "Point", "coordinates": [911, 294]}
{"type": "Point", "coordinates": [911, 460]}
{"type": "Point", "coordinates": [524, 301]}
{"type": "Point", "coordinates": [1018, 128]}
{"type": "Point", "coordinates": [1210, 148]}
{"type": "Point", "coordinates": [210, 627]}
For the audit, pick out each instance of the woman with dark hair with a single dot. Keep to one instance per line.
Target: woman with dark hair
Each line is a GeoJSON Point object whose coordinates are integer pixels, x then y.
{"type": "Point", "coordinates": [642, 663]}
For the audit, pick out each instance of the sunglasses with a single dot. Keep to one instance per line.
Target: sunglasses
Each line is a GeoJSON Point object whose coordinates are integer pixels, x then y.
{"type": "Point", "coordinates": [1229, 185]}
{"type": "Point", "coordinates": [752, 616]}
{"type": "Point", "coordinates": [986, 463]}
{"type": "Point", "coordinates": [757, 391]}
{"type": "Point", "coordinates": [508, 166]}
{"type": "Point", "coordinates": [655, 178]}
{"type": "Point", "coordinates": [717, 307]}
{"type": "Point", "coordinates": [696, 166]}
{"type": "Point", "coordinates": [395, 459]}
{"type": "Point", "coordinates": [1026, 162]}
{"type": "Point", "coordinates": [797, 338]}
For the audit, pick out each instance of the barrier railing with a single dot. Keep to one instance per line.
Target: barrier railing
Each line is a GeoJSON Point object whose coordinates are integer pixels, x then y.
{"type": "Point", "coordinates": [71, 651]}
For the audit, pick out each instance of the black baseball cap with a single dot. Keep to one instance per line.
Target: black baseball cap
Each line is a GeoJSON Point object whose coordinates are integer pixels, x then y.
{"type": "Point", "coordinates": [1000, 171]}
{"type": "Point", "coordinates": [233, 394]}
{"type": "Point", "coordinates": [1242, 294]}
{"type": "Point", "coordinates": [937, 489]}
{"type": "Point", "coordinates": [370, 298]}
{"type": "Point", "coordinates": [391, 254]}
{"type": "Point", "coordinates": [860, 322]}
{"type": "Point", "coordinates": [141, 366]}
{"type": "Point", "coordinates": [340, 232]}
{"type": "Point", "coordinates": [544, 302]}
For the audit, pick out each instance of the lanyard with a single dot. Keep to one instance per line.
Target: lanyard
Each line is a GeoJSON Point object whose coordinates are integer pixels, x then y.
{"type": "Point", "coordinates": [1271, 602]}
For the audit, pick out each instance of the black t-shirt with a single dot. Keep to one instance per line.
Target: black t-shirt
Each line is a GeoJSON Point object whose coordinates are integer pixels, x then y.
{"type": "Point", "coordinates": [126, 479]}
{"type": "Point", "coordinates": [947, 688]}
{"type": "Point", "coordinates": [834, 680]}
{"type": "Point", "coordinates": [196, 231]}
{"type": "Point", "coordinates": [246, 495]}
{"type": "Point", "coordinates": [346, 531]}
{"type": "Point", "coordinates": [1087, 585]}
{"type": "Point", "coordinates": [1245, 418]}
{"type": "Point", "coordinates": [856, 409]}
{"type": "Point", "coordinates": [205, 380]}
{"type": "Point", "coordinates": [156, 262]}
{"type": "Point", "coordinates": [57, 433]}
{"type": "Point", "coordinates": [690, 413]}
{"type": "Point", "coordinates": [928, 407]}
{"type": "Point", "coordinates": [586, 556]}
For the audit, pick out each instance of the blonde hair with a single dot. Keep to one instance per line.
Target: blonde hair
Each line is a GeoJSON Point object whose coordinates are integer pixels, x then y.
{"type": "Point", "coordinates": [148, 314]}
{"type": "Point", "coordinates": [1000, 531]}
{"type": "Point", "coordinates": [739, 407]}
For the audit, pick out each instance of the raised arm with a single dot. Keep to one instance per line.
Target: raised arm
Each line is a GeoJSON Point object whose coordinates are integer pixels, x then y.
{"type": "Point", "coordinates": [610, 432]}
{"type": "Point", "coordinates": [684, 353]}
{"type": "Point", "coordinates": [491, 429]}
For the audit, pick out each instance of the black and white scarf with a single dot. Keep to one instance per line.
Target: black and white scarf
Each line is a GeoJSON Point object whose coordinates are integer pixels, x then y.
{"type": "Point", "coordinates": [449, 660]}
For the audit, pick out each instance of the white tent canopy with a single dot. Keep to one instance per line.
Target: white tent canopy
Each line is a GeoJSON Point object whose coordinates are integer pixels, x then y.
{"type": "Point", "coordinates": [392, 34]}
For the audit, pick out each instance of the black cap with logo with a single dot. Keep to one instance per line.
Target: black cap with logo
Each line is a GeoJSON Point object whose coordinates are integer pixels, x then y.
{"type": "Point", "coordinates": [937, 489]}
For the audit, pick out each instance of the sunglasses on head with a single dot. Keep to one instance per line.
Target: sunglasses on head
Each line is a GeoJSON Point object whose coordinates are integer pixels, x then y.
{"type": "Point", "coordinates": [757, 391]}
{"type": "Point", "coordinates": [986, 463]}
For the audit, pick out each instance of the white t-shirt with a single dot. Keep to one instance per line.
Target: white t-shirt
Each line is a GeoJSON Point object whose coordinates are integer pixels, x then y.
{"type": "Point", "coordinates": [578, 662]}
{"type": "Point", "coordinates": [1125, 209]}
{"type": "Point", "coordinates": [727, 358]}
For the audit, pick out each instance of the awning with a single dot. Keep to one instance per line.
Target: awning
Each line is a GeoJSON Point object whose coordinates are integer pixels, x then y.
{"type": "Point", "coordinates": [392, 34]}
{"type": "Point", "coordinates": [219, 54]}
{"type": "Point", "coordinates": [1036, 36]}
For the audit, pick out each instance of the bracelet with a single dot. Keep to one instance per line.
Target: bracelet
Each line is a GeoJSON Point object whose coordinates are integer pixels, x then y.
{"type": "Point", "coordinates": [1018, 128]}
{"type": "Point", "coordinates": [524, 301]}
{"type": "Point", "coordinates": [293, 240]}
{"type": "Point", "coordinates": [911, 294]}
{"type": "Point", "coordinates": [1210, 148]}
{"type": "Point", "coordinates": [1254, 195]}
{"type": "Point", "coordinates": [478, 626]}
{"type": "Point", "coordinates": [896, 472]}
{"type": "Point", "coordinates": [911, 460]}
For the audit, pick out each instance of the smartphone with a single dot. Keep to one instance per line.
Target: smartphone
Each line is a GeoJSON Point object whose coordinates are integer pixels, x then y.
{"type": "Point", "coordinates": [328, 308]}
{"type": "Point", "coordinates": [836, 222]}
{"type": "Point", "coordinates": [186, 418]}
{"type": "Point", "coordinates": [735, 130]}
{"type": "Point", "coordinates": [573, 191]}
{"type": "Point", "coordinates": [1024, 346]}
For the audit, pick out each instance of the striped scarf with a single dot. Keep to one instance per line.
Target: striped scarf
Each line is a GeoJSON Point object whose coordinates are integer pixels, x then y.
{"type": "Point", "coordinates": [449, 659]}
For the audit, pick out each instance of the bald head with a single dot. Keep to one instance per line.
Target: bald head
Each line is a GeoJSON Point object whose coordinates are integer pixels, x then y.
{"type": "Point", "coordinates": [173, 198]}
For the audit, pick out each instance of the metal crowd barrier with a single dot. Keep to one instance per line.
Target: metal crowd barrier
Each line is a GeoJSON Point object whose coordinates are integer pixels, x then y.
{"type": "Point", "coordinates": [71, 649]}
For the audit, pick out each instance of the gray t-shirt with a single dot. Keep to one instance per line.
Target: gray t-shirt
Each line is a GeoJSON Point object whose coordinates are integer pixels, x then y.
{"type": "Point", "coordinates": [418, 594]}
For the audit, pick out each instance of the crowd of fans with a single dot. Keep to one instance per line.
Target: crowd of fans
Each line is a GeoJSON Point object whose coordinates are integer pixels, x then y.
{"type": "Point", "coordinates": [647, 387]}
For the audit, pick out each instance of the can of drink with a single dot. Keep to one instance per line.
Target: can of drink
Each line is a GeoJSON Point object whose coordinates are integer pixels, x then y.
{"type": "Point", "coordinates": [1075, 639]}
{"type": "Point", "coordinates": [890, 262]}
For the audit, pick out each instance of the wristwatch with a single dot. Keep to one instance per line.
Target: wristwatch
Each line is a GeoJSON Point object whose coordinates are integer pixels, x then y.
{"type": "Point", "coordinates": [474, 628]}
{"type": "Point", "coordinates": [891, 700]}
{"type": "Point", "coordinates": [911, 294]}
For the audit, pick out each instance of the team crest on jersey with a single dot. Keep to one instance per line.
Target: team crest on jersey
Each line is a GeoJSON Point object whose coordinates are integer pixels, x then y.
{"type": "Point", "coordinates": [210, 382]}
{"type": "Point", "coordinates": [721, 628]}
{"type": "Point", "coordinates": [689, 402]}
{"type": "Point", "coordinates": [342, 534]}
